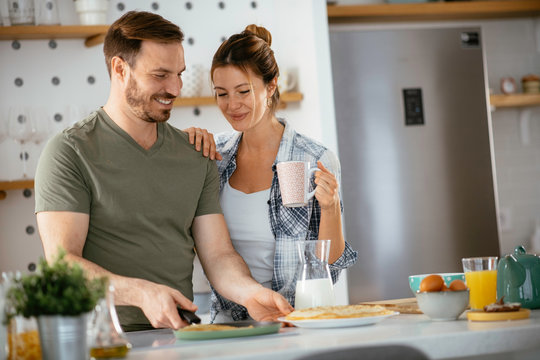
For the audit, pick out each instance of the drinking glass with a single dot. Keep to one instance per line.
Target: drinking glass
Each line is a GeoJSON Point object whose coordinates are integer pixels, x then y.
{"type": "Point", "coordinates": [481, 278]}
{"type": "Point", "coordinates": [3, 125]}
{"type": "Point", "coordinates": [20, 130]}
{"type": "Point", "coordinates": [41, 123]}
{"type": "Point", "coordinates": [21, 12]}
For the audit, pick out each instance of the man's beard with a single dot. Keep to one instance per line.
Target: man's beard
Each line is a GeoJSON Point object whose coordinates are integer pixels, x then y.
{"type": "Point", "coordinates": [141, 106]}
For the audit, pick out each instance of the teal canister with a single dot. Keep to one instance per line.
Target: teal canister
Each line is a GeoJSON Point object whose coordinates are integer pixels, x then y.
{"type": "Point", "coordinates": [518, 278]}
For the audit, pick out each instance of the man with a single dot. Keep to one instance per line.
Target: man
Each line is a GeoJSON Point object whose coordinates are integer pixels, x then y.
{"type": "Point", "coordinates": [127, 196]}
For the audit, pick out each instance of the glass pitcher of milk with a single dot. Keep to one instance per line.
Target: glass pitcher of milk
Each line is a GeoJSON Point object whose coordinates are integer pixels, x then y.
{"type": "Point", "coordinates": [314, 285]}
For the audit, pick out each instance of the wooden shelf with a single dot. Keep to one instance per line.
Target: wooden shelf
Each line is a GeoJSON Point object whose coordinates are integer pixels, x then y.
{"type": "Point", "coordinates": [14, 185]}
{"type": "Point", "coordinates": [19, 184]}
{"type": "Point", "coordinates": [458, 10]}
{"type": "Point", "coordinates": [514, 100]}
{"type": "Point", "coordinates": [209, 100]}
{"type": "Point", "coordinates": [93, 34]}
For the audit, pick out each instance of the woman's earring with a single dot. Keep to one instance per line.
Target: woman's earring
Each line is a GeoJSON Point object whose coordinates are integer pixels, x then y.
{"type": "Point", "coordinates": [269, 102]}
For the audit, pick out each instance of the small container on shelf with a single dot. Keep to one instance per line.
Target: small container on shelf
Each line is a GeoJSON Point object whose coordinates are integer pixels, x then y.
{"type": "Point", "coordinates": [508, 85]}
{"type": "Point", "coordinates": [531, 84]}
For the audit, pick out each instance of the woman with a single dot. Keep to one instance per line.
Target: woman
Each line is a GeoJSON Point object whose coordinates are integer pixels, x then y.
{"type": "Point", "coordinates": [244, 74]}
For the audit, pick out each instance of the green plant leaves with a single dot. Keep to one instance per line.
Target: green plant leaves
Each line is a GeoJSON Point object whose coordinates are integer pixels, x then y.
{"type": "Point", "coordinates": [57, 289]}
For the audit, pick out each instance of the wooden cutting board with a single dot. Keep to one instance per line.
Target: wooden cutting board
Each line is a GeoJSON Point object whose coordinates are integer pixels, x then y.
{"type": "Point", "coordinates": [498, 316]}
{"type": "Point", "coordinates": [404, 306]}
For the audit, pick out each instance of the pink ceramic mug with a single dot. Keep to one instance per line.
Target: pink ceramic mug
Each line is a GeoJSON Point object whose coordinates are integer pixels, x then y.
{"type": "Point", "coordinates": [294, 178]}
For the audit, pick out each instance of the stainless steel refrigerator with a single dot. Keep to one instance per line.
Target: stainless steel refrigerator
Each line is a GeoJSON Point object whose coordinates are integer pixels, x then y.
{"type": "Point", "coordinates": [414, 142]}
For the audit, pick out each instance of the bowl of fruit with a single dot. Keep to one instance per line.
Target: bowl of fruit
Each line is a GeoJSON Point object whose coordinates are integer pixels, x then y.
{"type": "Point", "coordinates": [440, 301]}
{"type": "Point", "coordinates": [415, 280]}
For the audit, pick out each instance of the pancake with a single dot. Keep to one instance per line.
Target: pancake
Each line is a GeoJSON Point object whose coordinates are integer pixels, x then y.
{"type": "Point", "coordinates": [338, 312]}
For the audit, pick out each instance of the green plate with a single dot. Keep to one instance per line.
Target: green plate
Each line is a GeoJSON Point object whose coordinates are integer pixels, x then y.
{"type": "Point", "coordinates": [244, 328]}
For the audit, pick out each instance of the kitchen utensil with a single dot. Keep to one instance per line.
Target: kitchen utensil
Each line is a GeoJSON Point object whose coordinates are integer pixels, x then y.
{"type": "Point", "coordinates": [314, 285]}
{"type": "Point", "coordinates": [518, 278]}
{"type": "Point", "coordinates": [294, 181]}
{"type": "Point", "coordinates": [443, 305]}
{"type": "Point", "coordinates": [415, 280]}
{"type": "Point", "coordinates": [188, 316]}
{"type": "Point", "coordinates": [481, 278]}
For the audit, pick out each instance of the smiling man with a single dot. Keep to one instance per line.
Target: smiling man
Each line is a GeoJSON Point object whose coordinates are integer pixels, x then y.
{"type": "Point", "coordinates": [128, 197]}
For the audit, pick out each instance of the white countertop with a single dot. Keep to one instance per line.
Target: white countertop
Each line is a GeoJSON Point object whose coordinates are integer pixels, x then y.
{"type": "Point", "coordinates": [437, 339]}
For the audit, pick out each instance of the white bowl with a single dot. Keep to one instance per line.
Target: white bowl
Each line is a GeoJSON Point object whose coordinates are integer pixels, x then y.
{"type": "Point", "coordinates": [443, 305]}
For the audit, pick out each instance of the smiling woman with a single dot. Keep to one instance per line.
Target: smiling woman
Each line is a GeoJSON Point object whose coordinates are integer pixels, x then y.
{"type": "Point", "coordinates": [244, 74]}
{"type": "Point", "coordinates": [242, 96]}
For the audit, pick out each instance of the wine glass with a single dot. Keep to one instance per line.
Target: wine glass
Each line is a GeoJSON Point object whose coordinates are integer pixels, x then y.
{"type": "Point", "coordinates": [20, 130]}
{"type": "Point", "coordinates": [3, 125]}
{"type": "Point", "coordinates": [41, 125]}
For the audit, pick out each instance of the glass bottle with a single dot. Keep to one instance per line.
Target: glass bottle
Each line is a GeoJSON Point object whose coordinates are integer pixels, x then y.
{"type": "Point", "coordinates": [107, 338]}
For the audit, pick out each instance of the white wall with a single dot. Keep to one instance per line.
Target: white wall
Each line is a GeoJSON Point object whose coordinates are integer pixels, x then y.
{"type": "Point", "coordinates": [300, 43]}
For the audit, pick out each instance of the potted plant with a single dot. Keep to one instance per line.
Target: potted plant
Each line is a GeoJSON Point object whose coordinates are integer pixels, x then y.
{"type": "Point", "coordinates": [59, 296]}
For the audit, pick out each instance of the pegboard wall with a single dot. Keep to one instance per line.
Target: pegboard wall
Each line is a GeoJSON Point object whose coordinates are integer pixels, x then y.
{"type": "Point", "coordinates": [62, 80]}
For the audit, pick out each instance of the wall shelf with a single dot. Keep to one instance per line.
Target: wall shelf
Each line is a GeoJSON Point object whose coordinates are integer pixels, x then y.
{"type": "Point", "coordinates": [459, 10]}
{"type": "Point", "coordinates": [514, 100]}
{"type": "Point", "coordinates": [14, 185]}
{"type": "Point", "coordinates": [433, 11]}
{"type": "Point", "coordinates": [93, 34]}
{"type": "Point", "coordinates": [209, 100]}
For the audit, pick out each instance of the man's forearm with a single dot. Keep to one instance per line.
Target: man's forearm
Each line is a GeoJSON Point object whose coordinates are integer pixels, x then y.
{"type": "Point", "coordinates": [125, 288]}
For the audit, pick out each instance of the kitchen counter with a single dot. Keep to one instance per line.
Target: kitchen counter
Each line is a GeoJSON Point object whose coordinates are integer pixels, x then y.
{"type": "Point", "coordinates": [437, 339]}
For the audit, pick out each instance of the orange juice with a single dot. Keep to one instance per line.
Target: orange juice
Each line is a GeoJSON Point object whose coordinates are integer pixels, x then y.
{"type": "Point", "coordinates": [482, 287]}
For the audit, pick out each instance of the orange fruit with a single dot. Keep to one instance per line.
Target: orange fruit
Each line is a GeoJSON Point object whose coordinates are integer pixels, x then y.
{"type": "Point", "coordinates": [432, 283]}
{"type": "Point", "coordinates": [457, 285]}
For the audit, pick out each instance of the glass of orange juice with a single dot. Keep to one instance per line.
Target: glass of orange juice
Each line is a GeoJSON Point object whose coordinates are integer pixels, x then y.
{"type": "Point", "coordinates": [481, 278]}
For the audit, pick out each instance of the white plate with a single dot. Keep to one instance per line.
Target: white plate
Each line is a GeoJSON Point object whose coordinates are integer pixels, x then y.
{"type": "Point", "coordinates": [335, 323]}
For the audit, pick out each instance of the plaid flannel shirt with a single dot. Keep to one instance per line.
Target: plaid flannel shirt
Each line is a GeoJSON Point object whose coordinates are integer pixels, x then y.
{"type": "Point", "coordinates": [287, 224]}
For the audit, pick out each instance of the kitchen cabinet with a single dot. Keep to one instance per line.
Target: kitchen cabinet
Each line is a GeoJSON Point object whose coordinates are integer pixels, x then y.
{"type": "Point", "coordinates": [433, 11]}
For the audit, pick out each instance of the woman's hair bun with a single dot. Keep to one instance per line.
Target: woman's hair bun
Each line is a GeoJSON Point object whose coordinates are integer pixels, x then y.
{"type": "Point", "coordinates": [260, 32]}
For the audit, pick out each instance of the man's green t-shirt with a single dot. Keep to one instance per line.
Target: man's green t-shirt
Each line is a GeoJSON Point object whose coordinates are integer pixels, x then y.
{"type": "Point", "coordinates": [141, 202]}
